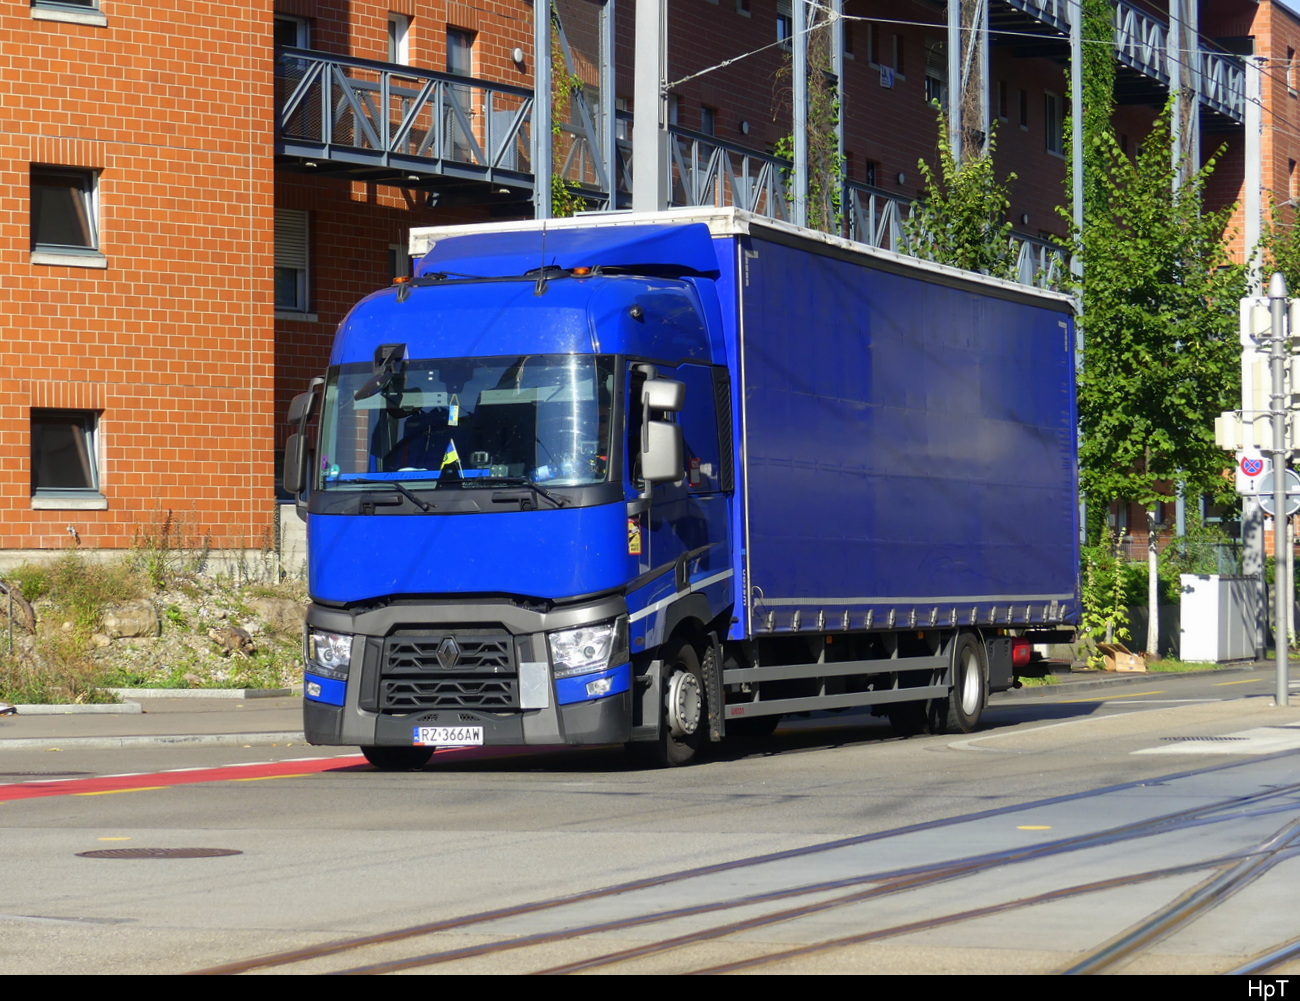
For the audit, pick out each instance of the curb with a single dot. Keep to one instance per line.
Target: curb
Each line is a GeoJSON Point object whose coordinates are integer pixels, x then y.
{"type": "Point", "coordinates": [202, 693]}
{"type": "Point", "coordinates": [90, 709]}
{"type": "Point", "coordinates": [175, 740]}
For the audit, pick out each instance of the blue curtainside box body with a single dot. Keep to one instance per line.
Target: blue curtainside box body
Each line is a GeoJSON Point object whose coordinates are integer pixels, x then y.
{"type": "Point", "coordinates": [664, 479]}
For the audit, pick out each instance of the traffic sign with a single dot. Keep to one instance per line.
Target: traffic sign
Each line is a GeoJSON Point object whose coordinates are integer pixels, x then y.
{"type": "Point", "coordinates": [1265, 493]}
{"type": "Point", "coordinates": [1252, 466]}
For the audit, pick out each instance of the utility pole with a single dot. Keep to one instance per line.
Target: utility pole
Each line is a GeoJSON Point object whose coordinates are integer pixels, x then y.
{"type": "Point", "coordinates": [1266, 424]}
{"type": "Point", "coordinates": [1279, 349]}
{"type": "Point", "coordinates": [650, 110]}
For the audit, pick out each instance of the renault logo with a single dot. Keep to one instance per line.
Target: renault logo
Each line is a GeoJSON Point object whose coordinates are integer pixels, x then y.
{"type": "Point", "coordinates": [448, 653]}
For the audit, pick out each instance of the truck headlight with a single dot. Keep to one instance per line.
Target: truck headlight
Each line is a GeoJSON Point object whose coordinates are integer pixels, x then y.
{"type": "Point", "coordinates": [589, 649]}
{"type": "Point", "coordinates": [327, 654]}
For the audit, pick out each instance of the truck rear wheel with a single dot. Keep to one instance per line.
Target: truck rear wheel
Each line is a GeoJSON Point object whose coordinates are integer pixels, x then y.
{"type": "Point", "coordinates": [960, 712]}
{"type": "Point", "coordinates": [398, 759]}
{"type": "Point", "coordinates": [684, 724]}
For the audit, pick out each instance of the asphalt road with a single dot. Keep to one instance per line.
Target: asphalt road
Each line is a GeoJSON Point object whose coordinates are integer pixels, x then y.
{"type": "Point", "coordinates": [1026, 808]}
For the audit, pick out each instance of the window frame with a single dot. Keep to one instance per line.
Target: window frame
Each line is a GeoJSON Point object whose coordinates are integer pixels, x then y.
{"type": "Point", "coordinates": [708, 120]}
{"type": "Point", "coordinates": [81, 188]}
{"type": "Point", "coordinates": [935, 84]}
{"type": "Point", "coordinates": [86, 440]}
{"type": "Point", "coordinates": [460, 43]}
{"type": "Point", "coordinates": [301, 30]}
{"type": "Point", "coordinates": [1053, 123]}
{"type": "Point", "coordinates": [399, 39]}
{"type": "Point", "coordinates": [69, 11]}
{"type": "Point", "coordinates": [293, 253]}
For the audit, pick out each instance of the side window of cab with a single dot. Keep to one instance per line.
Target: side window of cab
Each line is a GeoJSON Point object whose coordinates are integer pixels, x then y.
{"type": "Point", "coordinates": [699, 422]}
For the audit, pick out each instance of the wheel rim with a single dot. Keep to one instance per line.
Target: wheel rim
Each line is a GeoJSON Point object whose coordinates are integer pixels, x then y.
{"type": "Point", "coordinates": [970, 695]}
{"type": "Point", "coordinates": [685, 702]}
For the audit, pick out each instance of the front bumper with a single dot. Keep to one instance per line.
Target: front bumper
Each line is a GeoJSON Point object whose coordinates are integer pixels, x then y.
{"type": "Point", "coordinates": [498, 678]}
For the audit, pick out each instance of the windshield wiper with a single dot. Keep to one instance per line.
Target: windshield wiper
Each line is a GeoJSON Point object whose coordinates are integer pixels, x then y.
{"type": "Point", "coordinates": [523, 481]}
{"type": "Point", "coordinates": [397, 485]}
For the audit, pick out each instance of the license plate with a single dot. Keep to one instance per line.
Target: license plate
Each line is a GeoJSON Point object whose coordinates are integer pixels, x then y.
{"type": "Point", "coordinates": [448, 736]}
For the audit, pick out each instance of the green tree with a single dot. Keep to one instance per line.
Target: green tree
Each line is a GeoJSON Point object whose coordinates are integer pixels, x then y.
{"type": "Point", "coordinates": [1159, 318]}
{"type": "Point", "coordinates": [1280, 250]}
{"type": "Point", "coordinates": [1097, 78]}
{"type": "Point", "coordinates": [962, 220]}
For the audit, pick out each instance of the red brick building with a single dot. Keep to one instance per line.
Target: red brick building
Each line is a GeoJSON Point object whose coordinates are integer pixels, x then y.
{"type": "Point", "coordinates": [194, 194]}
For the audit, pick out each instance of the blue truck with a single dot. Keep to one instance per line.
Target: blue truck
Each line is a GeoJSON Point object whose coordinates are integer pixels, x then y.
{"type": "Point", "coordinates": [662, 479]}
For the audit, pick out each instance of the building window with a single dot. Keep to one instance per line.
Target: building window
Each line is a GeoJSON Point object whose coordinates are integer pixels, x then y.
{"type": "Point", "coordinates": [65, 458]}
{"type": "Point", "coordinates": [74, 11]}
{"type": "Point", "coordinates": [742, 8]}
{"type": "Point", "coordinates": [784, 22]}
{"type": "Point", "coordinates": [1290, 70]}
{"type": "Point", "coordinates": [708, 120]}
{"type": "Point", "coordinates": [291, 233]}
{"type": "Point", "coordinates": [936, 72]}
{"type": "Point", "coordinates": [65, 216]}
{"type": "Point", "coordinates": [292, 32]}
{"type": "Point", "coordinates": [1024, 109]}
{"type": "Point", "coordinates": [1053, 124]}
{"type": "Point", "coordinates": [399, 35]}
{"type": "Point", "coordinates": [460, 52]}
{"type": "Point", "coordinates": [1004, 101]}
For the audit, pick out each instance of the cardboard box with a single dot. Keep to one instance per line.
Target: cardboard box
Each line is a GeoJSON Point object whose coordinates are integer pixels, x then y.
{"type": "Point", "coordinates": [1118, 657]}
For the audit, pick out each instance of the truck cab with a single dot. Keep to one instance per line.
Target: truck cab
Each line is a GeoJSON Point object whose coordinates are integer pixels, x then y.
{"type": "Point", "coordinates": [507, 463]}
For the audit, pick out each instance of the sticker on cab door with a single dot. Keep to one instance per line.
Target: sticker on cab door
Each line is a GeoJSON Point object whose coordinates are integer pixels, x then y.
{"type": "Point", "coordinates": [634, 536]}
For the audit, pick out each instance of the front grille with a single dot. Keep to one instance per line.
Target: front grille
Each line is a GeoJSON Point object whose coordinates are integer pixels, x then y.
{"type": "Point", "coordinates": [455, 669]}
{"type": "Point", "coordinates": [449, 693]}
{"type": "Point", "coordinates": [464, 653]}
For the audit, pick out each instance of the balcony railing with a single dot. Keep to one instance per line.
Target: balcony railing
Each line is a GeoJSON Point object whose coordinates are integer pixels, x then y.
{"type": "Point", "coordinates": [1142, 44]}
{"type": "Point", "coordinates": [709, 171]}
{"type": "Point", "coordinates": [373, 114]}
{"type": "Point", "coordinates": [381, 116]}
{"type": "Point", "coordinates": [1053, 12]}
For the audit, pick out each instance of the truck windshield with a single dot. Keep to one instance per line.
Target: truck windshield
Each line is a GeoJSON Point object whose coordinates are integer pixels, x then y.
{"type": "Point", "coordinates": [468, 422]}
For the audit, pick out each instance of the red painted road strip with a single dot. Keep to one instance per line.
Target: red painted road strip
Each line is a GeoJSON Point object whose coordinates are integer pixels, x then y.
{"type": "Point", "coordinates": [222, 773]}
{"type": "Point", "coordinates": [113, 783]}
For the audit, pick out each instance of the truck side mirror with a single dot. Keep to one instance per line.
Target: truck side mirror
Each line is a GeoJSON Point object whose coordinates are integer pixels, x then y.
{"type": "Point", "coordinates": [664, 394]}
{"type": "Point", "coordinates": [295, 464]}
{"type": "Point", "coordinates": [662, 459]}
{"type": "Point", "coordinates": [295, 449]}
{"type": "Point", "coordinates": [300, 408]}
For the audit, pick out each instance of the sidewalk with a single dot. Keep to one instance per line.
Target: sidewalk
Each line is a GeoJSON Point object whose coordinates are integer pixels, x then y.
{"type": "Point", "coordinates": [152, 721]}
{"type": "Point", "coordinates": [195, 718]}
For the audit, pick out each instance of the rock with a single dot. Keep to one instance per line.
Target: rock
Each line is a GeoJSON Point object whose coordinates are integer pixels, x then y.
{"type": "Point", "coordinates": [132, 618]}
{"type": "Point", "coordinates": [282, 615]}
{"type": "Point", "coordinates": [232, 641]}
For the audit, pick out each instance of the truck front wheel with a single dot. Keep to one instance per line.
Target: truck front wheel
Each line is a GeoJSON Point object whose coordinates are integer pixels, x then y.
{"type": "Point", "coordinates": [684, 723]}
{"type": "Point", "coordinates": [960, 712]}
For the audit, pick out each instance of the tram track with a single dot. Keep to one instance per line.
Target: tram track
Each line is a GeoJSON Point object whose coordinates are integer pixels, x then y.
{"type": "Point", "coordinates": [585, 943]}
